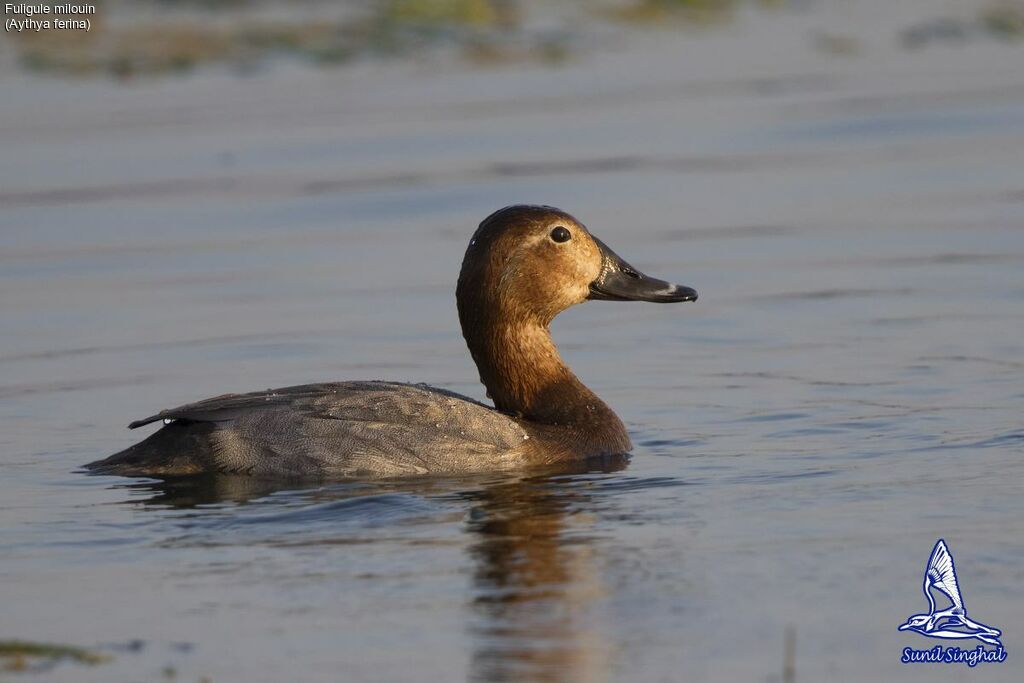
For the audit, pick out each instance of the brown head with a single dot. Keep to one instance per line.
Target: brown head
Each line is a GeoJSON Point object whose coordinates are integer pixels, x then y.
{"type": "Point", "coordinates": [524, 265]}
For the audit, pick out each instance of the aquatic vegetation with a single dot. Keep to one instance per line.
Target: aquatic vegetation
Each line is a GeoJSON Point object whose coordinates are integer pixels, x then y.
{"type": "Point", "coordinates": [1004, 19]}
{"type": "Point", "coordinates": [166, 37]}
{"type": "Point", "coordinates": [22, 655]}
{"type": "Point", "coordinates": [157, 37]}
{"type": "Point", "coordinates": [473, 12]}
{"type": "Point", "coordinates": [689, 10]}
{"type": "Point", "coordinates": [182, 35]}
{"type": "Point", "coordinates": [694, 12]}
{"type": "Point", "coordinates": [179, 46]}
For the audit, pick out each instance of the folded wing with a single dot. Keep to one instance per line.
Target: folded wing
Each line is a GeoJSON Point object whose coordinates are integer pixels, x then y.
{"type": "Point", "coordinates": [346, 429]}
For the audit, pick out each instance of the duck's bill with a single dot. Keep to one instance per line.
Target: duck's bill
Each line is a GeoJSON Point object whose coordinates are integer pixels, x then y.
{"type": "Point", "coordinates": [620, 281]}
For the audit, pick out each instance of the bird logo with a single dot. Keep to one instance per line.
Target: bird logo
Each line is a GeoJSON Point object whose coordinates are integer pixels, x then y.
{"type": "Point", "coordinates": [950, 623]}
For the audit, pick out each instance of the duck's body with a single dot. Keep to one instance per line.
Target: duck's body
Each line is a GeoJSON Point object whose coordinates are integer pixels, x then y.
{"type": "Point", "coordinates": [343, 429]}
{"type": "Point", "coordinates": [517, 275]}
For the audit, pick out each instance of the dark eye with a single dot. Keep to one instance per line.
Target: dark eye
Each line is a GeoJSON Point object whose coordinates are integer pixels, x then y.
{"type": "Point", "coordinates": [560, 234]}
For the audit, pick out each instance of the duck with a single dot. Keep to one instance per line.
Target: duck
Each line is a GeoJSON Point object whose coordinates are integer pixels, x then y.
{"type": "Point", "coordinates": [524, 265]}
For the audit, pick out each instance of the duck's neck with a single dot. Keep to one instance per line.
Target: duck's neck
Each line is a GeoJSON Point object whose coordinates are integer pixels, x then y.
{"type": "Point", "coordinates": [525, 376]}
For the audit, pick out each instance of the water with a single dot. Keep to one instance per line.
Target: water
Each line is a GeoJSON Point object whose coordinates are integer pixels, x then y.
{"type": "Point", "coordinates": [847, 390]}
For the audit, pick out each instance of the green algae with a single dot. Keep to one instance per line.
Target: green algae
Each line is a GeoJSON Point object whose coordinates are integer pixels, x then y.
{"type": "Point", "coordinates": [23, 655]}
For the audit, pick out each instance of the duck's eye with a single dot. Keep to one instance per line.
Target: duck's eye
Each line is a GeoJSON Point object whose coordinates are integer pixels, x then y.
{"type": "Point", "coordinates": [560, 234]}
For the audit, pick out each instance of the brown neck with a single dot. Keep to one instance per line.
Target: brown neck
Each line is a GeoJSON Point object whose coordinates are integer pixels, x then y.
{"type": "Point", "coordinates": [525, 376]}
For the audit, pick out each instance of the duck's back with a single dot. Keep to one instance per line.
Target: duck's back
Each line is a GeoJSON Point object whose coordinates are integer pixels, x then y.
{"type": "Point", "coordinates": [338, 429]}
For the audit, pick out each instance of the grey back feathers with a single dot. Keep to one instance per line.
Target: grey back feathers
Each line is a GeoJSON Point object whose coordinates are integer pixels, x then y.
{"type": "Point", "coordinates": [341, 429]}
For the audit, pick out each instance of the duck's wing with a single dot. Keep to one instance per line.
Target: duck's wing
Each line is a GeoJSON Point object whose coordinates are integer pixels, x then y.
{"type": "Point", "coordinates": [351, 428]}
{"type": "Point", "coordinates": [942, 575]}
{"type": "Point", "coordinates": [228, 407]}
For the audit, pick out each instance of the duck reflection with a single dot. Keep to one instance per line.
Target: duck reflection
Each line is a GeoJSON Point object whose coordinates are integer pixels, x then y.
{"type": "Point", "coordinates": [199, 490]}
{"type": "Point", "coordinates": [536, 583]}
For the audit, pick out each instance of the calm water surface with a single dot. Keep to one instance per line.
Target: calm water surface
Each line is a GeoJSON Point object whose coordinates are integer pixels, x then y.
{"type": "Point", "coordinates": [848, 389]}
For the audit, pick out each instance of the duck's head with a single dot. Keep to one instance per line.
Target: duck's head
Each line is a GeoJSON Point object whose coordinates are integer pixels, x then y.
{"type": "Point", "coordinates": [533, 262]}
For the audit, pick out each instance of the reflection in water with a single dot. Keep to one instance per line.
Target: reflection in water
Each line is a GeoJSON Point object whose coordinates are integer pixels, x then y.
{"type": "Point", "coordinates": [202, 489]}
{"type": "Point", "coordinates": [535, 584]}
{"type": "Point", "coordinates": [535, 581]}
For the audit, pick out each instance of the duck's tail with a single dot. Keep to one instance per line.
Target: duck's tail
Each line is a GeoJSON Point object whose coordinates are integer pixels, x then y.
{"type": "Point", "coordinates": [175, 449]}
